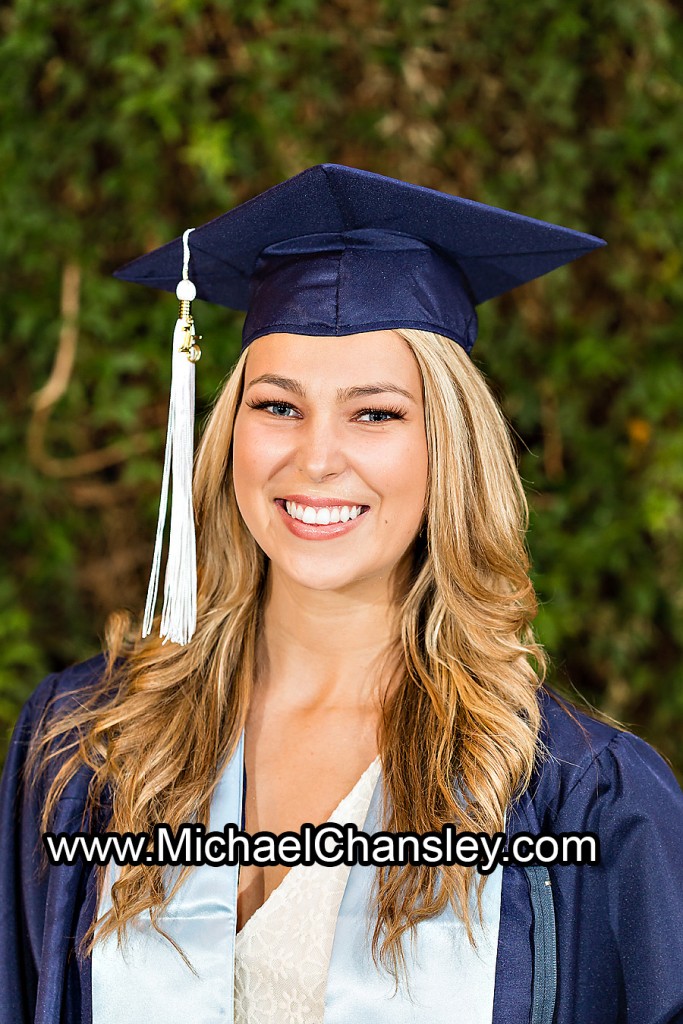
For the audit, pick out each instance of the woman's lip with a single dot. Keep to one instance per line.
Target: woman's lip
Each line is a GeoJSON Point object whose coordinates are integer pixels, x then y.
{"type": "Point", "coordinates": [309, 531]}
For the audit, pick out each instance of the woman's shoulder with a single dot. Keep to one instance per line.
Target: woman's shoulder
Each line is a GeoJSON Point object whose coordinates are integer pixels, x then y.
{"type": "Point", "coordinates": [58, 697]}
{"type": "Point", "coordinates": [61, 692]}
{"type": "Point", "coordinates": [587, 765]}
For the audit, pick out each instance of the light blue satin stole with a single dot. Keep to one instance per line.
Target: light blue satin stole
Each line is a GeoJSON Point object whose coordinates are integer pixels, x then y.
{"type": "Point", "coordinates": [148, 980]}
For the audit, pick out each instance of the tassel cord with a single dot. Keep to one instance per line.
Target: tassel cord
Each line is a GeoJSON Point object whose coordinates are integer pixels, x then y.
{"type": "Point", "coordinates": [179, 612]}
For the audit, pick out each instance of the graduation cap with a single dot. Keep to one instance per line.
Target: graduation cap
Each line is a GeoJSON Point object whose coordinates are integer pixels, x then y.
{"type": "Point", "coordinates": [330, 252]}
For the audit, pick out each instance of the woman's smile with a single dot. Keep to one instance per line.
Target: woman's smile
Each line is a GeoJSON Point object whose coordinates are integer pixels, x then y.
{"type": "Point", "coordinates": [320, 523]}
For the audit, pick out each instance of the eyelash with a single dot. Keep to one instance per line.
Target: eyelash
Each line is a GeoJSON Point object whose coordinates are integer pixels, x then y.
{"type": "Point", "coordinates": [392, 411]}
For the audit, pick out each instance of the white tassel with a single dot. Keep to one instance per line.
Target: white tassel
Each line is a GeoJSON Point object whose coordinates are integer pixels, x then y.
{"type": "Point", "coordinates": [179, 614]}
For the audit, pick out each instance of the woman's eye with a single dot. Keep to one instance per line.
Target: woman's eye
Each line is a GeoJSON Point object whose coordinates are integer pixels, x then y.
{"type": "Point", "coordinates": [277, 406]}
{"type": "Point", "coordinates": [393, 414]}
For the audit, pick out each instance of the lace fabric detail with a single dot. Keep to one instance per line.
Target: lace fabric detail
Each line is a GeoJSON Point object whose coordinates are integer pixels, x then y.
{"type": "Point", "coordinates": [282, 953]}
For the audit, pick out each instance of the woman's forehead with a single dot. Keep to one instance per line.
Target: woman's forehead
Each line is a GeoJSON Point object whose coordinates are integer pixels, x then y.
{"type": "Point", "coordinates": [334, 361]}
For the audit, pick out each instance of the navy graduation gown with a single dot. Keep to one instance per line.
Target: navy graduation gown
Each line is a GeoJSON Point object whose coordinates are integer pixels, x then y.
{"type": "Point", "coordinates": [619, 925]}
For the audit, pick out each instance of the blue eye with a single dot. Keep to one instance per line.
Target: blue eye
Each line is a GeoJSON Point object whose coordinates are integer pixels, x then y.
{"type": "Point", "coordinates": [394, 414]}
{"type": "Point", "coordinates": [271, 405]}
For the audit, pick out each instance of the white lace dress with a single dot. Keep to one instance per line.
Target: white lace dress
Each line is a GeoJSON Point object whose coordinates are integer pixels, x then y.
{"type": "Point", "coordinates": [282, 953]}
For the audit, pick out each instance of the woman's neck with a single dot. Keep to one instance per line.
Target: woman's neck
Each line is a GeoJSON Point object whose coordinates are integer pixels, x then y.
{"type": "Point", "coordinates": [326, 649]}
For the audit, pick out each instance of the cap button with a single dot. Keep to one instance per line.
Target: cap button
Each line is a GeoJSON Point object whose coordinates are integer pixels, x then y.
{"type": "Point", "coordinates": [186, 291]}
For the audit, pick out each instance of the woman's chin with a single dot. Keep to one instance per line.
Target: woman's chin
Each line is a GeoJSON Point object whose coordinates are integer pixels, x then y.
{"type": "Point", "coordinates": [326, 578]}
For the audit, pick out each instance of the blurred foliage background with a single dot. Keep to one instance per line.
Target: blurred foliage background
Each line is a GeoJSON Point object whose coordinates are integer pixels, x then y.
{"type": "Point", "coordinates": [123, 123]}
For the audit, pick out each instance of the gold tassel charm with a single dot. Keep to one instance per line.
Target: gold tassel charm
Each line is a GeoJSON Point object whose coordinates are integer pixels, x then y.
{"type": "Point", "coordinates": [190, 343]}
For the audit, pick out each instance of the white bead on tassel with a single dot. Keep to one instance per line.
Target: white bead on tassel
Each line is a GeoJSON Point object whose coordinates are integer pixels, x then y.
{"type": "Point", "coordinates": [179, 614]}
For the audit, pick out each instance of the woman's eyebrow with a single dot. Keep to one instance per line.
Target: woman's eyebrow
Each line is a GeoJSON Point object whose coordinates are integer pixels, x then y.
{"type": "Point", "coordinates": [343, 394]}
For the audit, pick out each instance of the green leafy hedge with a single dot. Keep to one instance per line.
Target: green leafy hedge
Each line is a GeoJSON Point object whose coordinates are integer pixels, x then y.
{"type": "Point", "coordinates": [124, 123]}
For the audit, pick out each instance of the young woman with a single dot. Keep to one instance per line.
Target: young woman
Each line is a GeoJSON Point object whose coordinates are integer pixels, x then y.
{"type": "Point", "coordinates": [362, 654]}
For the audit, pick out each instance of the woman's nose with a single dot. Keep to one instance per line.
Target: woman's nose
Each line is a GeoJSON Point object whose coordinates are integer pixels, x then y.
{"type": "Point", "coordinates": [321, 451]}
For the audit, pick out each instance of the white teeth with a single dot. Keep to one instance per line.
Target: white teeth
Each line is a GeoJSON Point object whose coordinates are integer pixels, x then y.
{"type": "Point", "coordinates": [322, 516]}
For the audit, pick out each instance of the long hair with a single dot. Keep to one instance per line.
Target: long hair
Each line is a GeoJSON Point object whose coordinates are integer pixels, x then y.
{"type": "Point", "coordinates": [458, 733]}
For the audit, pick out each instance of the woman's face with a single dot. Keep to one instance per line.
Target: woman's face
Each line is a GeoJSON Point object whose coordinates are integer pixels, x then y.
{"type": "Point", "coordinates": [328, 426]}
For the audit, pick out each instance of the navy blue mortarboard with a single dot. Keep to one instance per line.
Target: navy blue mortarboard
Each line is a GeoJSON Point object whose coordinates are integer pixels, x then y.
{"type": "Point", "coordinates": [335, 250]}
{"type": "Point", "coordinates": [332, 251]}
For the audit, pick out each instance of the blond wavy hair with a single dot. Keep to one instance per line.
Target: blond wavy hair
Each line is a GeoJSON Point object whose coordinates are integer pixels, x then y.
{"type": "Point", "coordinates": [459, 732]}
